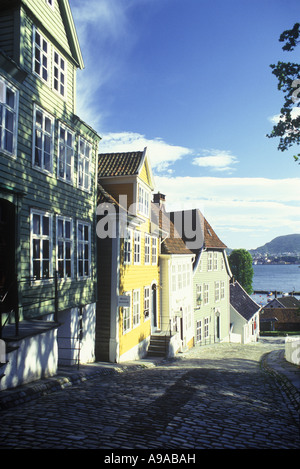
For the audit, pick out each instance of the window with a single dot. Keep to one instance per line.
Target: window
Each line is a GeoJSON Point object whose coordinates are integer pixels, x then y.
{"type": "Point", "coordinates": [127, 247]}
{"type": "Point", "coordinates": [84, 163]}
{"type": "Point", "coordinates": [206, 293]}
{"type": "Point", "coordinates": [174, 278]}
{"type": "Point", "coordinates": [127, 317]}
{"type": "Point", "coordinates": [222, 290]}
{"type": "Point", "coordinates": [206, 328]}
{"type": "Point", "coordinates": [59, 74]}
{"type": "Point", "coordinates": [198, 331]}
{"type": "Point", "coordinates": [64, 247]}
{"type": "Point", "coordinates": [65, 154]}
{"type": "Point", "coordinates": [42, 140]}
{"type": "Point", "coordinates": [147, 249]}
{"type": "Point", "coordinates": [217, 291]}
{"type": "Point", "coordinates": [179, 278]}
{"type": "Point", "coordinates": [147, 302]}
{"type": "Point", "coordinates": [154, 251]}
{"type": "Point", "coordinates": [41, 49]}
{"type": "Point", "coordinates": [215, 261]}
{"type": "Point", "coordinates": [137, 247]}
{"type": "Point", "coordinates": [83, 250]}
{"type": "Point", "coordinates": [198, 294]}
{"type": "Point", "coordinates": [144, 199]}
{"type": "Point", "coordinates": [136, 307]}
{"type": "Point", "coordinates": [8, 117]}
{"type": "Point", "coordinates": [41, 245]}
{"type": "Point", "coordinates": [222, 263]}
{"type": "Point", "coordinates": [209, 261]}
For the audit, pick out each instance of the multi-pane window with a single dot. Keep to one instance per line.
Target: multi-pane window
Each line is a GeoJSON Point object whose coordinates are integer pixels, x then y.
{"type": "Point", "coordinates": [65, 154]}
{"type": "Point", "coordinates": [144, 201]}
{"type": "Point", "coordinates": [206, 328]}
{"type": "Point", "coordinates": [222, 290]}
{"type": "Point", "coordinates": [215, 261]}
{"type": "Point", "coordinates": [59, 73]}
{"type": "Point", "coordinates": [147, 249]}
{"type": "Point", "coordinates": [8, 117]}
{"type": "Point", "coordinates": [127, 317]}
{"type": "Point", "coordinates": [64, 245]}
{"type": "Point", "coordinates": [136, 307]}
{"type": "Point", "coordinates": [206, 293]}
{"type": "Point", "coordinates": [179, 277]}
{"type": "Point", "coordinates": [154, 251]}
{"type": "Point", "coordinates": [137, 247]}
{"type": "Point", "coordinates": [198, 294]}
{"type": "Point", "coordinates": [199, 331]}
{"type": "Point", "coordinates": [83, 250]}
{"type": "Point", "coordinates": [217, 291]}
{"type": "Point", "coordinates": [41, 48]}
{"type": "Point", "coordinates": [127, 246]}
{"type": "Point", "coordinates": [84, 164]}
{"type": "Point", "coordinates": [42, 140]}
{"type": "Point", "coordinates": [209, 261]}
{"type": "Point", "coordinates": [147, 302]}
{"type": "Point", "coordinates": [41, 245]}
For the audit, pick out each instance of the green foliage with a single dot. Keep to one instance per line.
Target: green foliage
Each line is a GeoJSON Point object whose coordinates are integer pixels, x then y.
{"type": "Point", "coordinates": [240, 261]}
{"type": "Point", "coordinates": [288, 75]}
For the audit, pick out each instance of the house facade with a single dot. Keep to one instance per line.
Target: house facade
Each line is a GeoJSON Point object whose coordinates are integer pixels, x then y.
{"type": "Point", "coordinates": [128, 308]}
{"type": "Point", "coordinates": [48, 187]}
{"type": "Point", "coordinates": [211, 276]}
{"type": "Point", "coordinates": [244, 315]}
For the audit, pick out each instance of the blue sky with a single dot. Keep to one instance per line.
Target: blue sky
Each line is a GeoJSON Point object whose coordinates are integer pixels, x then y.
{"type": "Point", "coordinates": [191, 80]}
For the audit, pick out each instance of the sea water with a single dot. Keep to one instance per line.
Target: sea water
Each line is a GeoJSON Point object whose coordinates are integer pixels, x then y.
{"type": "Point", "coordinates": [281, 278]}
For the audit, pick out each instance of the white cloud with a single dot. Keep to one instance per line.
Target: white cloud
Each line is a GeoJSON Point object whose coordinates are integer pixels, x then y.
{"type": "Point", "coordinates": [245, 212]}
{"type": "Point", "coordinates": [276, 118]}
{"type": "Point", "coordinates": [161, 154]}
{"type": "Point", "coordinates": [217, 160]}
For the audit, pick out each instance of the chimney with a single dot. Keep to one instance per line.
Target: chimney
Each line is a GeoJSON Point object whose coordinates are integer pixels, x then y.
{"type": "Point", "coordinates": [160, 200]}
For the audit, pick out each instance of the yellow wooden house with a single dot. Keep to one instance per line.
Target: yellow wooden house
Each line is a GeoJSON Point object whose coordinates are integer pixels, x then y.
{"type": "Point", "coordinates": [128, 310]}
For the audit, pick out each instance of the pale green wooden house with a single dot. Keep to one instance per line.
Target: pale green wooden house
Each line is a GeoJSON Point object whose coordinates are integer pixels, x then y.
{"type": "Point", "coordinates": [47, 181]}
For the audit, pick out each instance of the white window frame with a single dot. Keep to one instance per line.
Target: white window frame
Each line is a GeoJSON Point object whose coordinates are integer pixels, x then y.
{"type": "Point", "coordinates": [206, 328]}
{"type": "Point", "coordinates": [63, 145]}
{"type": "Point", "coordinates": [137, 247]}
{"type": "Point", "coordinates": [199, 331]}
{"type": "Point", "coordinates": [147, 249]}
{"type": "Point", "coordinates": [44, 134]}
{"type": "Point", "coordinates": [136, 305]}
{"type": "Point", "coordinates": [154, 251]}
{"type": "Point", "coordinates": [222, 290]}
{"type": "Point", "coordinates": [199, 297]}
{"type": "Point", "coordinates": [84, 164]}
{"type": "Point", "coordinates": [126, 316]}
{"type": "Point", "coordinates": [83, 243]}
{"type": "Point", "coordinates": [127, 246]}
{"type": "Point", "coordinates": [206, 293]}
{"type": "Point", "coordinates": [217, 291]}
{"type": "Point", "coordinates": [41, 238]}
{"type": "Point", "coordinates": [144, 201]}
{"type": "Point", "coordinates": [209, 261]}
{"type": "Point", "coordinates": [179, 277]}
{"type": "Point", "coordinates": [59, 74]}
{"type": "Point", "coordinates": [147, 303]}
{"type": "Point", "coordinates": [6, 110]}
{"type": "Point", "coordinates": [64, 240]}
{"type": "Point", "coordinates": [215, 261]}
{"type": "Point", "coordinates": [43, 55]}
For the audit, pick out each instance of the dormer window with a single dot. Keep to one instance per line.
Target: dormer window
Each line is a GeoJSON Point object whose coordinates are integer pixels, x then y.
{"type": "Point", "coordinates": [144, 201]}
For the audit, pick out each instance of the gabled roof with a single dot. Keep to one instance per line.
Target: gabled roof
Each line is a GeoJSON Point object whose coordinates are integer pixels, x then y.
{"type": "Point", "coordinates": [242, 302]}
{"type": "Point", "coordinates": [284, 302]}
{"type": "Point", "coordinates": [119, 164]}
{"type": "Point", "coordinates": [172, 242]}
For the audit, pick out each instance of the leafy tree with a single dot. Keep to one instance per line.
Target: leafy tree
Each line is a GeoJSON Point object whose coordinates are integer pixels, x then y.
{"type": "Point", "coordinates": [240, 261]}
{"type": "Point", "coordinates": [288, 75]}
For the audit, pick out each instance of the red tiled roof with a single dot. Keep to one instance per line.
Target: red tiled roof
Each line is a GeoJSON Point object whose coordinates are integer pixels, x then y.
{"type": "Point", "coordinates": [119, 164]}
{"type": "Point", "coordinates": [211, 240]}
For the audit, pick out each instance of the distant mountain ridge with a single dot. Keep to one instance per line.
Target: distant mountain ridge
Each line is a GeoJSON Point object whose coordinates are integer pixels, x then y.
{"type": "Point", "coordinates": [282, 245]}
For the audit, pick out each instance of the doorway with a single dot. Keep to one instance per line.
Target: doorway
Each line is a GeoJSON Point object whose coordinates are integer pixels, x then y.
{"type": "Point", "coordinates": [7, 252]}
{"type": "Point", "coordinates": [154, 306]}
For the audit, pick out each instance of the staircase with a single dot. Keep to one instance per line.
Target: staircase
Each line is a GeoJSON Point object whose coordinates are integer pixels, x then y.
{"type": "Point", "coordinates": [159, 345]}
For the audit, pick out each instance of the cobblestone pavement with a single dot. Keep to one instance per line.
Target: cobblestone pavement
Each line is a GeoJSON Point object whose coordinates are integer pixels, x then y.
{"type": "Point", "coordinates": [212, 397]}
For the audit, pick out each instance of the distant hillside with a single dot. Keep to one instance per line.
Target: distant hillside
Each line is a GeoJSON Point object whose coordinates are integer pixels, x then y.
{"type": "Point", "coordinates": [289, 244]}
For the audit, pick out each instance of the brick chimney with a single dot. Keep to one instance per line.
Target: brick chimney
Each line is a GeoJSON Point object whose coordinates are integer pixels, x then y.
{"type": "Point", "coordinates": [160, 200]}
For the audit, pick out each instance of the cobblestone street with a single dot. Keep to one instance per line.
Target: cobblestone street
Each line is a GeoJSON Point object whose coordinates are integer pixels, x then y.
{"type": "Point", "coordinates": [213, 397]}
